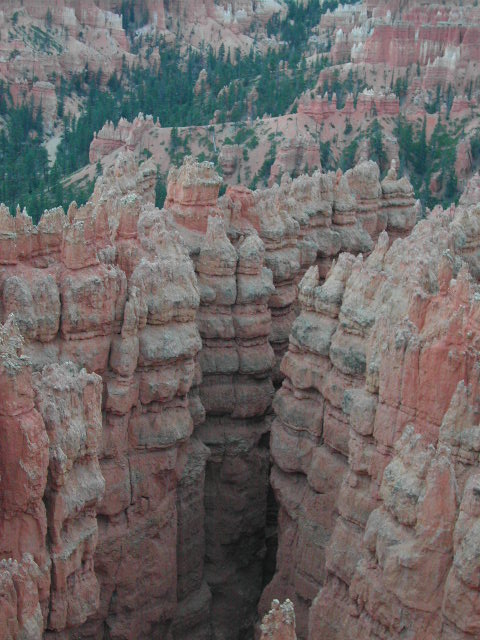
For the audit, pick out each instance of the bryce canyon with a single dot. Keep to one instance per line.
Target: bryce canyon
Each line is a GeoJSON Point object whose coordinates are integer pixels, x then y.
{"type": "Point", "coordinates": [239, 378]}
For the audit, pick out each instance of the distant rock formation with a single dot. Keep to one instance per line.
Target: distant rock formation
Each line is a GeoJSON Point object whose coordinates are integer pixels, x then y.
{"type": "Point", "coordinates": [79, 35]}
{"type": "Point", "coordinates": [321, 109]}
{"type": "Point", "coordinates": [295, 157]}
{"type": "Point", "coordinates": [127, 136]}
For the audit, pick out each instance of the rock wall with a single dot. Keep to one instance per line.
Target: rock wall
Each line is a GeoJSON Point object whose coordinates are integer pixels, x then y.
{"type": "Point", "coordinates": [295, 157]}
{"type": "Point", "coordinates": [108, 287]}
{"type": "Point", "coordinates": [51, 432]}
{"type": "Point", "coordinates": [235, 390]}
{"type": "Point", "coordinates": [312, 219]}
{"type": "Point", "coordinates": [24, 460]}
{"type": "Point", "coordinates": [368, 103]}
{"type": "Point", "coordinates": [69, 402]}
{"type": "Point", "coordinates": [127, 136]}
{"type": "Point", "coordinates": [141, 505]}
{"type": "Point", "coordinates": [248, 249]}
{"type": "Point", "coordinates": [374, 441]}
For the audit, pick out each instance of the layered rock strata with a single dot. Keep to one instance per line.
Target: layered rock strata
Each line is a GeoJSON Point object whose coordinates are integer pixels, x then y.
{"type": "Point", "coordinates": [312, 219]}
{"type": "Point", "coordinates": [235, 390]}
{"type": "Point", "coordinates": [295, 156]}
{"type": "Point", "coordinates": [25, 562]}
{"type": "Point", "coordinates": [51, 433]}
{"type": "Point", "coordinates": [398, 204]}
{"type": "Point", "coordinates": [117, 295]}
{"type": "Point", "coordinates": [309, 441]}
{"type": "Point", "coordinates": [262, 211]}
{"type": "Point", "coordinates": [69, 402]}
{"type": "Point", "coordinates": [374, 441]}
{"type": "Point", "coordinates": [153, 448]}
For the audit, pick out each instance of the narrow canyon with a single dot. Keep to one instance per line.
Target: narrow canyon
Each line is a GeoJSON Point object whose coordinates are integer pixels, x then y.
{"type": "Point", "coordinates": [239, 336]}
{"type": "Point", "coordinates": [170, 407]}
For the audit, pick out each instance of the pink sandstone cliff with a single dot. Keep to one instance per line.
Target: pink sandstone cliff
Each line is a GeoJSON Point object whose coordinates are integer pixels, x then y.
{"type": "Point", "coordinates": [235, 389]}
{"type": "Point", "coordinates": [108, 287]}
{"type": "Point", "coordinates": [374, 441]}
{"type": "Point", "coordinates": [229, 240]}
{"type": "Point", "coordinates": [296, 156]}
{"type": "Point", "coordinates": [51, 433]}
{"type": "Point", "coordinates": [369, 103]}
{"type": "Point", "coordinates": [126, 136]}
{"type": "Point", "coordinates": [111, 286]}
{"type": "Point", "coordinates": [145, 494]}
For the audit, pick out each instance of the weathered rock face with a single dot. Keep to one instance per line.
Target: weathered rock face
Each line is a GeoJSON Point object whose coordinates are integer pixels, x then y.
{"type": "Point", "coordinates": [374, 441]}
{"type": "Point", "coordinates": [139, 506]}
{"type": "Point", "coordinates": [118, 296]}
{"type": "Point", "coordinates": [279, 622]}
{"type": "Point", "coordinates": [25, 562]}
{"type": "Point", "coordinates": [312, 219]}
{"type": "Point", "coordinates": [471, 193]}
{"type": "Point", "coordinates": [69, 402]}
{"type": "Point", "coordinates": [49, 424]}
{"type": "Point", "coordinates": [327, 218]}
{"type": "Point", "coordinates": [235, 390]}
{"type": "Point", "coordinates": [263, 212]}
{"type": "Point", "coordinates": [192, 194]}
{"type": "Point", "coordinates": [192, 618]}
{"type": "Point", "coordinates": [369, 102]}
{"type": "Point", "coordinates": [126, 135]}
{"type": "Point", "coordinates": [229, 159]}
{"type": "Point", "coordinates": [295, 157]}
{"type": "Point", "coordinates": [398, 204]}
{"type": "Point", "coordinates": [310, 422]}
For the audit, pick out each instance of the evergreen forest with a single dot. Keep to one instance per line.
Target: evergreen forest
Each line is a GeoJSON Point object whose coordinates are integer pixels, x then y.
{"type": "Point", "coordinates": [237, 87]}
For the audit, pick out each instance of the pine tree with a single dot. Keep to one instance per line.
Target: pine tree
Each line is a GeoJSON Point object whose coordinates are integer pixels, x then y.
{"type": "Point", "coordinates": [421, 149]}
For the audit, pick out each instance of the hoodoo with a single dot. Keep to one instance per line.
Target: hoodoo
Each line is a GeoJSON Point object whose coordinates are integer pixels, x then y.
{"type": "Point", "coordinates": [239, 320]}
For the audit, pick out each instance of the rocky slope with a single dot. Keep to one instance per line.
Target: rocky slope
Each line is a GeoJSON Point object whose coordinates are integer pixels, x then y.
{"type": "Point", "coordinates": [38, 39]}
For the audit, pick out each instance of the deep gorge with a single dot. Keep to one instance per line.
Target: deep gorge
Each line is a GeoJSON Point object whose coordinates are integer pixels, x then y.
{"type": "Point", "coordinates": [146, 511]}
{"type": "Point", "coordinates": [233, 412]}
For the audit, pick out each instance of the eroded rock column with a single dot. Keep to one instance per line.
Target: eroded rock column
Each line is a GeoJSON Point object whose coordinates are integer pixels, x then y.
{"type": "Point", "coordinates": [24, 558]}
{"type": "Point", "coordinates": [236, 389]}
